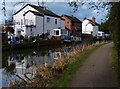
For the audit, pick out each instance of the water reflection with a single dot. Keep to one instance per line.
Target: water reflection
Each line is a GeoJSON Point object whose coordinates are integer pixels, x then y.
{"type": "Point", "coordinates": [22, 64]}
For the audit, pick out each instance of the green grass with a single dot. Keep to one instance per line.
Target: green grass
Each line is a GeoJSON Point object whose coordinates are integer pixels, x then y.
{"type": "Point", "coordinates": [114, 58]}
{"type": "Point", "coordinates": [71, 68]}
{"type": "Point", "coordinates": [115, 62]}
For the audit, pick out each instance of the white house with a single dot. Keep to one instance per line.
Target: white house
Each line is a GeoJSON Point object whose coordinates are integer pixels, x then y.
{"type": "Point", "coordinates": [34, 20]}
{"type": "Point", "coordinates": [90, 27]}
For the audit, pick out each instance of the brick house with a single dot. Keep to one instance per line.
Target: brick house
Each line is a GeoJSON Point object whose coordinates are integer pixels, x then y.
{"type": "Point", "coordinates": [73, 24]}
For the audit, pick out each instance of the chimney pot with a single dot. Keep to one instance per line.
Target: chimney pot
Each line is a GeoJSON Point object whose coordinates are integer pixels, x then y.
{"type": "Point", "coordinates": [93, 19]}
{"type": "Point", "coordinates": [85, 18]}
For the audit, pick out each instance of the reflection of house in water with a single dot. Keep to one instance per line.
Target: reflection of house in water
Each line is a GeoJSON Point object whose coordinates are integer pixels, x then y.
{"type": "Point", "coordinates": [25, 65]}
{"type": "Point", "coordinates": [58, 53]}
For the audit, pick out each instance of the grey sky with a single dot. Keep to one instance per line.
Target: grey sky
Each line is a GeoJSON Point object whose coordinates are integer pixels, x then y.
{"type": "Point", "coordinates": [60, 8]}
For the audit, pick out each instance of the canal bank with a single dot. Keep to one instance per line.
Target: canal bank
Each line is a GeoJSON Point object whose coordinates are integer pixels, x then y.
{"type": "Point", "coordinates": [39, 43]}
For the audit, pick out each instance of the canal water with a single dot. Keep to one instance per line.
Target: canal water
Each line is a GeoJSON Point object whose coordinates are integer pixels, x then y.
{"type": "Point", "coordinates": [23, 63]}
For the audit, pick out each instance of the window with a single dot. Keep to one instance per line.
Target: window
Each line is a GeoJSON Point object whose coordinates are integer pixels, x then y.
{"type": "Point", "coordinates": [57, 32]}
{"type": "Point", "coordinates": [99, 34]}
{"type": "Point", "coordinates": [48, 19]}
{"type": "Point", "coordinates": [56, 22]}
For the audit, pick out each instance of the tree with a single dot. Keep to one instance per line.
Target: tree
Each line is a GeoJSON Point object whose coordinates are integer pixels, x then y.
{"type": "Point", "coordinates": [92, 5]}
{"type": "Point", "coordinates": [105, 27]}
{"type": "Point", "coordinates": [114, 24]}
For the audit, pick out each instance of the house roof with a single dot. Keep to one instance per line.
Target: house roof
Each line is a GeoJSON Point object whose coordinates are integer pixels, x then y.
{"type": "Point", "coordinates": [35, 13]}
{"type": "Point", "coordinates": [73, 19]}
{"type": "Point", "coordinates": [91, 22]}
{"type": "Point", "coordinates": [40, 9]}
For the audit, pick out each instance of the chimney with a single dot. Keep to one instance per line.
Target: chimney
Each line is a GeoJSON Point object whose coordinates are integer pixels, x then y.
{"type": "Point", "coordinates": [85, 18]}
{"type": "Point", "coordinates": [93, 19]}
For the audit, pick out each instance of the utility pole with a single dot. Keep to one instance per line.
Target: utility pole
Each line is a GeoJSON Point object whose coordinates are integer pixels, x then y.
{"type": "Point", "coordinates": [43, 16]}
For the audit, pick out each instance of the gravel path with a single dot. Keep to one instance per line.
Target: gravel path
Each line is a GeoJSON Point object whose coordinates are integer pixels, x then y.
{"type": "Point", "coordinates": [96, 70]}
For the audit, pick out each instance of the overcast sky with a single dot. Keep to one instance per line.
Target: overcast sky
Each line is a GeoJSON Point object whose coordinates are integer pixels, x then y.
{"type": "Point", "coordinates": [60, 8]}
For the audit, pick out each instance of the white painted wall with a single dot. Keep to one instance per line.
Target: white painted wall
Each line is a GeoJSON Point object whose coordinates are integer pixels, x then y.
{"type": "Point", "coordinates": [37, 21]}
{"type": "Point", "coordinates": [84, 23]}
{"type": "Point", "coordinates": [89, 28]}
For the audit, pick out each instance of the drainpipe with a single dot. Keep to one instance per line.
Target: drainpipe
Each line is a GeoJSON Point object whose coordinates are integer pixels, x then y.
{"type": "Point", "coordinates": [43, 23]}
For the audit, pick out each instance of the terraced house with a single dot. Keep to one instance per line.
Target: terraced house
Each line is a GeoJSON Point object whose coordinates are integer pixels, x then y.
{"type": "Point", "coordinates": [73, 24]}
{"type": "Point", "coordinates": [32, 20]}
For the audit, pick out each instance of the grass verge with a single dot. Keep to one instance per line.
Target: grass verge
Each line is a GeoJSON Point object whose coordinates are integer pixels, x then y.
{"type": "Point", "coordinates": [71, 68]}
{"type": "Point", "coordinates": [115, 62]}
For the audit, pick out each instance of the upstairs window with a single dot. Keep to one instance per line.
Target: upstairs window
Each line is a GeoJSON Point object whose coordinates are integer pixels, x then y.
{"type": "Point", "coordinates": [48, 19]}
{"type": "Point", "coordinates": [56, 22]}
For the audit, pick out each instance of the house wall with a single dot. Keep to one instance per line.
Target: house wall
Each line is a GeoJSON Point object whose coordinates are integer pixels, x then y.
{"type": "Point", "coordinates": [62, 24]}
{"type": "Point", "coordinates": [37, 21]}
{"type": "Point", "coordinates": [95, 31]}
{"type": "Point", "coordinates": [76, 28]}
{"type": "Point", "coordinates": [89, 28]}
{"type": "Point", "coordinates": [84, 23]}
{"type": "Point", "coordinates": [51, 25]}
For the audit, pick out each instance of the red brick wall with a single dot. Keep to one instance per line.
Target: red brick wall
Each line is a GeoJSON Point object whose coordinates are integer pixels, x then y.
{"type": "Point", "coordinates": [69, 26]}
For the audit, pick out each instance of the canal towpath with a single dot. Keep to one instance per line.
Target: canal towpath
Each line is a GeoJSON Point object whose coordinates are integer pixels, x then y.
{"type": "Point", "coordinates": [96, 71]}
